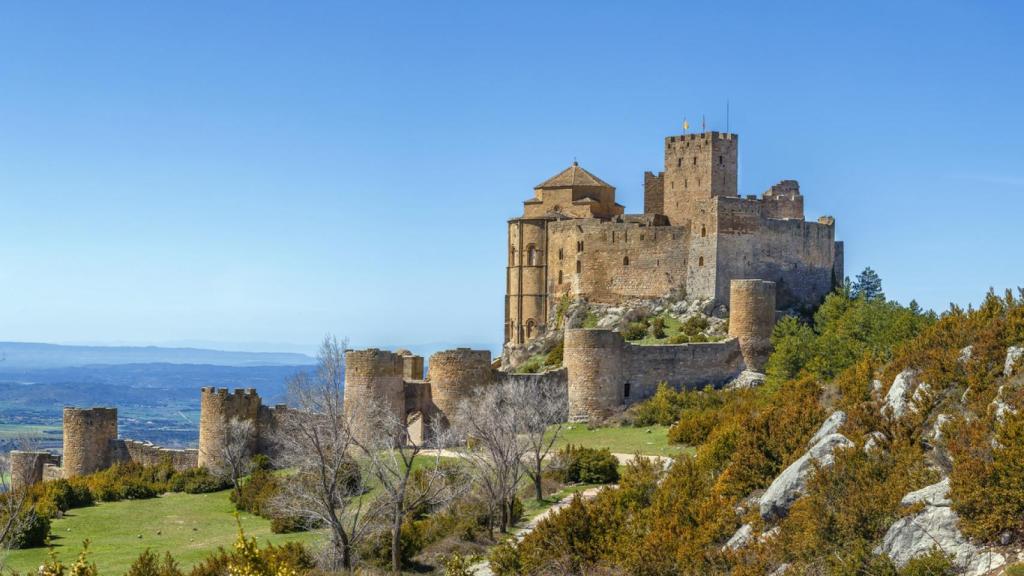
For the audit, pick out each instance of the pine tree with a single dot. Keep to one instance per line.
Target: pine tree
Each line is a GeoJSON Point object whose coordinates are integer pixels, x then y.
{"type": "Point", "coordinates": [868, 285]}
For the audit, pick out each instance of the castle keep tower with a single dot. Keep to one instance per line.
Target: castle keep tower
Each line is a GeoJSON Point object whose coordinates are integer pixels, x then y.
{"type": "Point", "coordinates": [373, 376]}
{"type": "Point", "coordinates": [88, 436]}
{"type": "Point", "coordinates": [752, 318]}
{"type": "Point", "coordinates": [697, 167]}
{"type": "Point", "coordinates": [217, 408]}
{"type": "Point", "coordinates": [454, 375]}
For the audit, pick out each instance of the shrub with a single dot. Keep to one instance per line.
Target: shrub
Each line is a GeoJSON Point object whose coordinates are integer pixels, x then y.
{"type": "Point", "coordinates": [657, 327]}
{"type": "Point", "coordinates": [196, 481]}
{"type": "Point", "coordinates": [663, 408]}
{"type": "Point", "coordinates": [554, 356]}
{"type": "Point", "coordinates": [255, 493]}
{"type": "Point", "coordinates": [679, 339]}
{"type": "Point", "coordinates": [694, 426]}
{"type": "Point", "coordinates": [246, 558]}
{"type": "Point", "coordinates": [574, 464]}
{"type": "Point", "coordinates": [149, 564]}
{"type": "Point", "coordinates": [694, 325]}
{"type": "Point", "coordinates": [458, 565]}
{"type": "Point", "coordinates": [30, 530]}
{"type": "Point", "coordinates": [376, 549]}
{"type": "Point", "coordinates": [635, 331]}
{"type": "Point", "coordinates": [63, 495]}
{"type": "Point", "coordinates": [504, 559]}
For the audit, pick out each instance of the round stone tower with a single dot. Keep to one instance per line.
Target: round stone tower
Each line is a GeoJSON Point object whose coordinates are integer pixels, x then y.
{"type": "Point", "coordinates": [752, 318]}
{"type": "Point", "coordinates": [454, 375]}
{"type": "Point", "coordinates": [373, 375]}
{"type": "Point", "coordinates": [217, 407]}
{"type": "Point", "coordinates": [88, 435]}
{"type": "Point", "coordinates": [594, 365]}
{"type": "Point", "coordinates": [27, 468]}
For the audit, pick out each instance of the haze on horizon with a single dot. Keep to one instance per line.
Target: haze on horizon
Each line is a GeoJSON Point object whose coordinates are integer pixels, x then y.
{"type": "Point", "coordinates": [255, 176]}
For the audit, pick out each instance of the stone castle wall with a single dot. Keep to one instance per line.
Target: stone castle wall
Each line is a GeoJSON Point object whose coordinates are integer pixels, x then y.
{"type": "Point", "coordinates": [28, 468]}
{"type": "Point", "coordinates": [604, 372]}
{"type": "Point", "coordinates": [611, 261]}
{"type": "Point", "coordinates": [373, 376]}
{"type": "Point", "coordinates": [149, 454]}
{"type": "Point", "coordinates": [88, 435]}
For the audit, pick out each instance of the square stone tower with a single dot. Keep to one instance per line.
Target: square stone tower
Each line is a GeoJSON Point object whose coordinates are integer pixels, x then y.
{"type": "Point", "coordinates": [697, 167]}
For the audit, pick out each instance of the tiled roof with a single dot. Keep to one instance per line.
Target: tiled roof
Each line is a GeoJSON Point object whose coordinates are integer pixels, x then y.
{"type": "Point", "coordinates": [571, 177]}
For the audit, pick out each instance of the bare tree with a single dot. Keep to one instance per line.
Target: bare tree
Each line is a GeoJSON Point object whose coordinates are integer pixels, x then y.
{"type": "Point", "coordinates": [13, 508]}
{"type": "Point", "coordinates": [542, 409]}
{"type": "Point", "coordinates": [489, 424]}
{"type": "Point", "coordinates": [232, 458]}
{"type": "Point", "coordinates": [315, 438]}
{"type": "Point", "coordinates": [392, 453]}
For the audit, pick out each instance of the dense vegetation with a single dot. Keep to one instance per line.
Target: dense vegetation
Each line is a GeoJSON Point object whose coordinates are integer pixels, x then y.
{"type": "Point", "coordinates": [677, 522]}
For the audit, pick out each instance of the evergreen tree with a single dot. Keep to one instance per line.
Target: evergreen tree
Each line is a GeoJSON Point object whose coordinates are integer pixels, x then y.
{"type": "Point", "coordinates": [868, 285]}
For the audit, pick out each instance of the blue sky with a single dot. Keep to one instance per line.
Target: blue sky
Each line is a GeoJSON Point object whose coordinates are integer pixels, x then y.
{"type": "Point", "coordinates": [257, 174]}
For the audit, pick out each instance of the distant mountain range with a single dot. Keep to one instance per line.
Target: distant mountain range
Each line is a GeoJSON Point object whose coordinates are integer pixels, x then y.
{"type": "Point", "coordinates": [30, 355]}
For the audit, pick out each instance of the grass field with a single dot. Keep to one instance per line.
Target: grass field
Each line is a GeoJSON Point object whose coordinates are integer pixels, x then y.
{"type": "Point", "coordinates": [648, 440]}
{"type": "Point", "coordinates": [190, 526]}
{"type": "Point", "coordinates": [27, 431]}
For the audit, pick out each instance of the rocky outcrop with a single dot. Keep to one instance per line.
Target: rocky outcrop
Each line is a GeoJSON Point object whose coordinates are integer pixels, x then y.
{"type": "Point", "coordinates": [792, 482]}
{"type": "Point", "coordinates": [831, 425]}
{"type": "Point", "coordinates": [746, 379]}
{"type": "Point", "coordinates": [935, 526]}
{"type": "Point", "coordinates": [905, 394]}
{"type": "Point", "coordinates": [740, 538]}
{"type": "Point", "coordinates": [1013, 357]}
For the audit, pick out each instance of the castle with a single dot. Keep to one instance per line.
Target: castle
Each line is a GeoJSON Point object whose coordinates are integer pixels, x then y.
{"type": "Point", "coordinates": [750, 254]}
{"type": "Point", "coordinates": [696, 233]}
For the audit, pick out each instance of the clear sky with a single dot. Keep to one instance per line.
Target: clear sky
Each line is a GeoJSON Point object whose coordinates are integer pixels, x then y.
{"type": "Point", "coordinates": [257, 174]}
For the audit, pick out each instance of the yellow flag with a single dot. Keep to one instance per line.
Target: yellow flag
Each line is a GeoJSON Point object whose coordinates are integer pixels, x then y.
{"type": "Point", "coordinates": [686, 125]}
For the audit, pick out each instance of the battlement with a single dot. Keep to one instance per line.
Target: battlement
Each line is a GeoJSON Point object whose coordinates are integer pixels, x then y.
{"type": "Point", "coordinates": [224, 393]}
{"type": "Point", "coordinates": [702, 136]}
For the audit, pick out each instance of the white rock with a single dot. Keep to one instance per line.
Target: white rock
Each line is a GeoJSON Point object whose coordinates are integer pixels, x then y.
{"type": "Point", "coordinates": [937, 526]}
{"type": "Point", "coordinates": [830, 426]}
{"type": "Point", "coordinates": [940, 421]}
{"type": "Point", "coordinates": [934, 495]}
{"type": "Point", "coordinates": [876, 386]}
{"type": "Point", "coordinates": [1013, 354]}
{"type": "Point", "coordinates": [740, 538]}
{"type": "Point", "coordinates": [896, 400]}
{"type": "Point", "coordinates": [746, 379]}
{"type": "Point", "coordinates": [790, 484]}
{"type": "Point", "coordinates": [965, 354]}
{"type": "Point", "coordinates": [874, 441]}
{"type": "Point", "coordinates": [782, 569]}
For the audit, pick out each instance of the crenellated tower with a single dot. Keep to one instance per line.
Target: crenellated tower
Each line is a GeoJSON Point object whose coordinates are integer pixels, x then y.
{"type": "Point", "coordinates": [89, 434]}
{"type": "Point", "coordinates": [373, 376]}
{"type": "Point", "coordinates": [697, 167]}
{"type": "Point", "coordinates": [217, 407]}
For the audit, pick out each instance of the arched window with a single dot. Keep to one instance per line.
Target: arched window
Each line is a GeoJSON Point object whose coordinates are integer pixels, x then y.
{"type": "Point", "coordinates": [700, 261]}
{"type": "Point", "coordinates": [529, 329]}
{"type": "Point", "coordinates": [579, 266]}
{"type": "Point", "coordinates": [703, 231]}
{"type": "Point", "coordinates": [531, 255]}
{"type": "Point", "coordinates": [625, 261]}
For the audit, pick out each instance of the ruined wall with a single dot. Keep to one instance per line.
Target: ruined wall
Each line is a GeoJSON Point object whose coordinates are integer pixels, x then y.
{"type": "Point", "coordinates": [604, 372]}
{"type": "Point", "coordinates": [88, 437]}
{"type": "Point", "coordinates": [373, 376]}
{"type": "Point", "coordinates": [27, 468]}
{"type": "Point", "coordinates": [752, 319]}
{"type": "Point", "coordinates": [149, 454]}
{"type": "Point", "coordinates": [216, 408]}
{"type": "Point", "coordinates": [697, 167]}
{"type": "Point", "coordinates": [798, 256]}
{"type": "Point", "coordinates": [454, 375]}
{"type": "Point", "coordinates": [783, 201]}
{"type": "Point", "coordinates": [609, 261]}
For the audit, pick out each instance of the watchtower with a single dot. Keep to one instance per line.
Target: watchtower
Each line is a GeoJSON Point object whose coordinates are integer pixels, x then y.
{"type": "Point", "coordinates": [594, 364]}
{"type": "Point", "coordinates": [373, 376]}
{"type": "Point", "coordinates": [697, 167]}
{"type": "Point", "coordinates": [217, 407]}
{"type": "Point", "coordinates": [752, 319]}
{"type": "Point", "coordinates": [88, 437]}
{"type": "Point", "coordinates": [454, 375]}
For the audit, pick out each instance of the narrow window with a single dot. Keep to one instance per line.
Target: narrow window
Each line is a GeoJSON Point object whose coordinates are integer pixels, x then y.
{"type": "Point", "coordinates": [694, 160]}
{"type": "Point", "coordinates": [700, 261]}
{"type": "Point", "coordinates": [529, 329]}
{"type": "Point", "coordinates": [686, 183]}
{"type": "Point", "coordinates": [579, 246]}
{"type": "Point", "coordinates": [561, 254]}
{"type": "Point", "coordinates": [531, 255]}
{"type": "Point", "coordinates": [625, 261]}
{"type": "Point", "coordinates": [720, 163]}
{"type": "Point", "coordinates": [625, 390]}
{"type": "Point", "coordinates": [512, 256]}
{"type": "Point", "coordinates": [559, 276]}
{"type": "Point", "coordinates": [703, 231]}
{"type": "Point", "coordinates": [679, 163]}
{"type": "Point", "coordinates": [579, 266]}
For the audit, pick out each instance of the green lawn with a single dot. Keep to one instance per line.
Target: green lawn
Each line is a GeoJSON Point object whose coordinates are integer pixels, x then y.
{"type": "Point", "coordinates": [190, 526]}
{"type": "Point", "coordinates": [648, 440]}
{"type": "Point", "coordinates": [28, 431]}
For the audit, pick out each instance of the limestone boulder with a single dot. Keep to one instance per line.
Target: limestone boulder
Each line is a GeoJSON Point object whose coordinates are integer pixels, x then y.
{"type": "Point", "coordinates": [792, 482]}
{"type": "Point", "coordinates": [1013, 357]}
{"type": "Point", "coordinates": [746, 379]}
{"type": "Point", "coordinates": [935, 526]}
{"type": "Point", "coordinates": [740, 538]}
{"type": "Point", "coordinates": [831, 425]}
{"type": "Point", "coordinates": [905, 394]}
